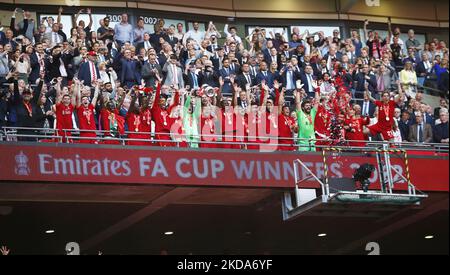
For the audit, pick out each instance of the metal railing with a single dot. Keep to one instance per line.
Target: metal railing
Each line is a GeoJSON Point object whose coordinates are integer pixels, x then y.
{"type": "Point", "coordinates": [180, 140]}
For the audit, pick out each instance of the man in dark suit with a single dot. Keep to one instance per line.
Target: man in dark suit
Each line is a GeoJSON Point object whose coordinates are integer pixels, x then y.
{"type": "Point", "coordinates": [404, 124]}
{"type": "Point", "coordinates": [367, 106]}
{"type": "Point", "coordinates": [37, 62]}
{"type": "Point", "coordinates": [192, 77]}
{"type": "Point", "coordinates": [246, 78]}
{"type": "Point", "coordinates": [265, 75]}
{"type": "Point", "coordinates": [440, 132]}
{"type": "Point", "coordinates": [332, 56]}
{"type": "Point", "coordinates": [423, 69]}
{"type": "Point", "coordinates": [360, 79]}
{"type": "Point", "coordinates": [146, 44]}
{"type": "Point", "coordinates": [171, 39]}
{"type": "Point", "coordinates": [285, 51]}
{"type": "Point", "coordinates": [308, 80]}
{"type": "Point", "coordinates": [427, 118]}
{"type": "Point", "coordinates": [217, 60]}
{"type": "Point", "coordinates": [420, 132]}
{"type": "Point", "coordinates": [57, 65]}
{"type": "Point", "coordinates": [225, 73]}
{"type": "Point", "coordinates": [150, 70]}
{"type": "Point", "coordinates": [320, 68]}
{"type": "Point", "coordinates": [213, 46]}
{"type": "Point", "coordinates": [130, 73]}
{"type": "Point", "coordinates": [88, 70]}
{"type": "Point", "coordinates": [2, 37]}
{"type": "Point", "coordinates": [209, 77]}
{"type": "Point", "coordinates": [274, 57]}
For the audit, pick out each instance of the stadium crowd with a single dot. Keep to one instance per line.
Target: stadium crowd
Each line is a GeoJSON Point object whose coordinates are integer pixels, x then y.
{"type": "Point", "coordinates": [169, 88]}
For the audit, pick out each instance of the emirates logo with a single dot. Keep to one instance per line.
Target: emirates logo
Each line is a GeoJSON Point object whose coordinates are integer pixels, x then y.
{"type": "Point", "coordinates": [22, 168]}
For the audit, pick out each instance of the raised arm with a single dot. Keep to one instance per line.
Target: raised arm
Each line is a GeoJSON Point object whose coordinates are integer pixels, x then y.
{"type": "Point", "coordinates": [90, 18]}
{"type": "Point", "coordinates": [401, 96]}
{"type": "Point", "coordinates": [58, 90]}
{"type": "Point", "coordinates": [60, 11]}
{"type": "Point", "coordinates": [77, 92]}
{"type": "Point", "coordinates": [388, 38]}
{"type": "Point", "coordinates": [369, 95]}
{"type": "Point", "coordinates": [96, 93]}
{"type": "Point", "coordinates": [157, 95]}
{"type": "Point", "coordinates": [75, 20]}
{"type": "Point", "coordinates": [225, 30]}
{"type": "Point", "coordinates": [175, 101]}
{"type": "Point", "coordinates": [366, 34]}
{"type": "Point", "coordinates": [279, 98]}
{"type": "Point", "coordinates": [133, 102]}
{"type": "Point", "coordinates": [38, 91]}
{"type": "Point", "coordinates": [236, 90]}
{"type": "Point", "coordinates": [298, 100]}
{"type": "Point", "coordinates": [73, 98]}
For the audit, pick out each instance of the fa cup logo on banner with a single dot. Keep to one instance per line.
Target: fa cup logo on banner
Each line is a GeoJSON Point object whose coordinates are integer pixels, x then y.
{"type": "Point", "coordinates": [22, 168]}
{"type": "Point", "coordinates": [373, 3]}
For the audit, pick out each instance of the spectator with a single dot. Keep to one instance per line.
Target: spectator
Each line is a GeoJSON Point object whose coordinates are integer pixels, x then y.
{"type": "Point", "coordinates": [139, 31]}
{"type": "Point", "coordinates": [123, 32]}
{"type": "Point", "coordinates": [363, 78]}
{"type": "Point", "coordinates": [194, 34]}
{"type": "Point", "coordinates": [174, 73]}
{"type": "Point", "coordinates": [420, 132]}
{"type": "Point", "coordinates": [404, 125]}
{"type": "Point", "coordinates": [81, 24]}
{"type": "Point", "coordinates": [231, 32]}
{"type": "Point", "coordinates": [105, 33]}
{"type": "Point", "coordinates": [442, 104]}
{"type": "Point", "coordinates": [441, 133]}
{"type": "Point", "coordinates": [130, 73]}
{"type": "Point", "coordinates": [54, 37]}
{"type": "Point", "coordinates": [408, 79]}
{"type": "Point", "coordinates": [151, 70]}
{"type": "Point", "coordinates": [423, 69]}
{"type": "Point", "coordinates": [412, 42]}
{"type": "Point", "coordinates": [89, 72]}
{"type": "Point", "coordinates": [180, 32]}
{"type": "Point", "coordinates": [374, 42]}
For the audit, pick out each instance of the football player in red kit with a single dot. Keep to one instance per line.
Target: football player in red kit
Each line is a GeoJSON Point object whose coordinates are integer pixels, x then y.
{"type": "Point", "coordinates": [287, 126]}
{"type": "Point", "coordinates": [160, 114]}
{"type": "Point", "coordinates": [65, 105]}
{"type": "Point", "coordinates": [386, 108]}
{"type": "Point", "coordinates": [85, 113]}
{"type": "Point", "coordinates": [354, 128]}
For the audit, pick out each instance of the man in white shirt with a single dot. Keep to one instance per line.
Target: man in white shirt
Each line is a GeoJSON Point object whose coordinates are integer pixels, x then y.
{"type": "Point", "coordinates": [195, 34]}
{"type": "Point", "coordinates": [232, 32]}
